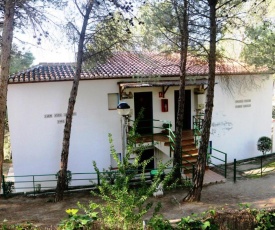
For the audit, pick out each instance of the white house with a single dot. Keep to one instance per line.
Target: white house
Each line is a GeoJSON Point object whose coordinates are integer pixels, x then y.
{"type": "Point", "coordinates": [38, 99]}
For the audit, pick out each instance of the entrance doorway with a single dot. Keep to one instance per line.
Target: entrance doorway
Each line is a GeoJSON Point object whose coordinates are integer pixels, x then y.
{"type": "Point", "coordinates": [187, 109]}
{"type": "Point", "coordinates": [146, 155]}
{"type": "Point", "coordinates": [144, 100]}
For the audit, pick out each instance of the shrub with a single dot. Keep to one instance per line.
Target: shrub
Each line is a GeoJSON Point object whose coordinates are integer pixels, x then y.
{"type": "Point", "coordinates": [124, 191]}
{"type": "Point", "coordinates": [264, 144]}
{"type": "Point", "coordinates": [8, 187]}
{"type": "Point", "coordinates": [79, 221]}
{"type": "Point", "coordinates": [126, 196]}
{"type": "Point", "coordinates": [68, 178]}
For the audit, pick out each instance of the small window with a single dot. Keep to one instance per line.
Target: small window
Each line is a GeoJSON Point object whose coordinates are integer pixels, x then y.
{"type": "Point", "coordinates": [112, 101]}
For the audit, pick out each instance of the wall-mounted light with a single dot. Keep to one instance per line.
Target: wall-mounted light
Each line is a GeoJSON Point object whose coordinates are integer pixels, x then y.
{"type": "Point", "coordinates": [123, 109]}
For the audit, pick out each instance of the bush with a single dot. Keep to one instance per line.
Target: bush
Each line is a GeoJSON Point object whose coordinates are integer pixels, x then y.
{"type": "Point", "coordinates": [125, 191]}
{"type": "Point", "coordinates": [68, 178]}
{"type": "Point", "coordinates": [79, 221]}
{"type": "Point", "coordinates": [125, 195]}
{"type": "Point", "coordinates": [264, 144]}
{"type": "Point", "coordinates": [8, 187]}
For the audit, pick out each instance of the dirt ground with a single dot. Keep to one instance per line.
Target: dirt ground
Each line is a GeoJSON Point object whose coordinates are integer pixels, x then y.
{"type": "Point", "coordinates": [41, 211]}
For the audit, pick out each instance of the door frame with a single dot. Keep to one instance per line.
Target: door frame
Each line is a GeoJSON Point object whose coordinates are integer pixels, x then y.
{"type": "Point", "coordinates": [144, 99]}
{"type": "Point", "coordinates": [187, 124]}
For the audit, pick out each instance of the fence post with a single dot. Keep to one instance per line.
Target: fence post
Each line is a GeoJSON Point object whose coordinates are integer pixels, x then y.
{"type": "Point", "coordinates": [261, 166]}
{"type": "Point", "coordinates": [225, 166]}
{"type": "Point", "coordinates": [235, 169]}
{"type": "Point", "coordinates": [33, 184]}
{"type": "Point", "coordinates": [98, 179]}
{"type": "Point", "coordinates": [210, 147]}
{"type": "Point", "coordinates": [4, 185]}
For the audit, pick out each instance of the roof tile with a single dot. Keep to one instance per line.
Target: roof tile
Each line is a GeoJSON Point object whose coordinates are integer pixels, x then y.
{"type": "Point", "coordinates": [127, 65]}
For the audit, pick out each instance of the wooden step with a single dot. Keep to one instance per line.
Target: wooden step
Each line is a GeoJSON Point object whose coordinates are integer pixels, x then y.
{"type": "Point", "coordinates": [195, 150]}
{"type": "Point", "coordinates": [190, 154]}
{"type": "Point", "coordinates": [188, 141]}
{"type": "Point", "coordinates": [191, 137]}
{"type": "Point", "coordinates": [188, 148]}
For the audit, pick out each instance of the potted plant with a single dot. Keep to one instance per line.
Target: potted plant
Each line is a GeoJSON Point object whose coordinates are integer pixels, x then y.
{"type": "Point", "coordinates": [166, 126]}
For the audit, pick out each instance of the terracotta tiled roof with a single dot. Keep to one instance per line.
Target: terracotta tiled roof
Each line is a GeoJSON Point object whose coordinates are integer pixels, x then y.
{"type": "Point", "coordinates": [124, 65]}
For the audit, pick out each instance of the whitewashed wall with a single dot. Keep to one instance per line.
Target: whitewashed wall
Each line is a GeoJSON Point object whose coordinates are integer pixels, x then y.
{"type": "Point", "coordinates": [241, 117]}
{"type": "Point", "coordinates": [37, 139]}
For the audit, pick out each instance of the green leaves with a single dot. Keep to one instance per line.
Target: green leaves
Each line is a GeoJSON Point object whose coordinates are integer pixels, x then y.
{"type": "Point", "coordinates": [79, 221]}
{"type": "Point", "coordinates": [261, 50]}
{"type": "Point", "coordinates": [264, 144]}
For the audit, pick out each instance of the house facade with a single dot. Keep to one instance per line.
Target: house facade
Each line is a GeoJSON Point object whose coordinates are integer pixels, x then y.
{"type": "Point", "coordinates": [38, 99]}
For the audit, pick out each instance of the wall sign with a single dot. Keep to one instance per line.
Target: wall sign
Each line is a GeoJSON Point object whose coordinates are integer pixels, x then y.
{"type": "Point", "coordinates": [242, 103]}
{"type": "Point", "coordinates": [58, 116]}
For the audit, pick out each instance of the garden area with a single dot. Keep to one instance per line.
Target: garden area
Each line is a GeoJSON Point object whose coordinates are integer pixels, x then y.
{"type": "Point", "coordinates": [224, 198]}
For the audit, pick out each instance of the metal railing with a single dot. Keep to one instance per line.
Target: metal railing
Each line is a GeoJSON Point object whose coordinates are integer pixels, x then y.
{"type": "Point", "coordinates": [220, 157]}
{"type": "Point", "coordinates": [46, 183]}
{"type": "Point", "coordinates": [35, 184]}
{"type": "Point", "coordinates": [159, 127]}
{"type": "Point", "coordinates": [254, 167]}
{"type": "Point", "coordinates": [198, 121]}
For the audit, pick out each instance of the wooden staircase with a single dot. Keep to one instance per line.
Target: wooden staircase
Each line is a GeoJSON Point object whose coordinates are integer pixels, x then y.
{"type": "Point", "coordinates": [189, 151]}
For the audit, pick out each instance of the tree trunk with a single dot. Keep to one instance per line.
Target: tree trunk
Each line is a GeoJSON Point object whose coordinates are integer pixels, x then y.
{"type": "Point", "coordinates": [61, 180]}
{"type": "Point", "coordinates": [177, 161]}
{"type": "Point", "coordinates": [195, 193]}
{"type": "Point", "coordinates": [7, 37]}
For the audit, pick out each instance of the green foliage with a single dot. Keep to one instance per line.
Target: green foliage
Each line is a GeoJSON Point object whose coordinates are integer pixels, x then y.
{"type": "Point", "coordinates": [264, 144]}
{"type": "Point", "coordinates": [24, 226]}
{"type": "Point", "coordinates": [126, 191]}
{"type": "Point", "coordinates": [265, 219]}
{"type": "Point", "coordinates": [79, 221]}
{"type": "Point", "coordinates": [112, 35]}
{"type": "Point", "coordinates": [195, 223]}
{"type": "Point", "coordinates": [243, 206]}
{"type": "Point", "coordinates": [158, 222]}
{"type": "Point", "coordinates": [261, 50]}
{"type": "Point", "coordinates": [160, 31]}
{"type": "Point", "coordinates": [20, 60]}
{"type": "Point", "coordinates": [8, 187]}
{"type": "Point", "coordinates": [205, 221]}
{"type": "Point", "coordinates": [68, 178]}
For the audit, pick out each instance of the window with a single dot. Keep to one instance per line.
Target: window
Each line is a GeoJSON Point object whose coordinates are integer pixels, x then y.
{"type": "Point", "coordinates": [113, 100]}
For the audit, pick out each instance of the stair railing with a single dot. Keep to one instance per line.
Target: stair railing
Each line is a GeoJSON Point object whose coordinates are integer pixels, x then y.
{"type": "Point", "coordinates": [171, 136]}
{"type": "Point", "coordinates": [198, 121]}
{"type": "Point", "coordinates": [157, 127]}
{"type": "Point", "coordinates": [219, 156]}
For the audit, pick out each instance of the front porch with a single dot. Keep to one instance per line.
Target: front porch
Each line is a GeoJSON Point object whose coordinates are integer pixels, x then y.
{"type": "Point", "coordinates": [189, 154]}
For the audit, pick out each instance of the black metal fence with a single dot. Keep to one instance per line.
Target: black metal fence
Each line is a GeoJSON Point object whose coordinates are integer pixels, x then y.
{"type": "Point", "coordinates": [253, 167]}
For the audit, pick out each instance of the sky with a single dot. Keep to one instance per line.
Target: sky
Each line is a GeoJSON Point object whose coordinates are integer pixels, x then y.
{"type": "Point", "coordinates": [55, 48]}
{"type": "Point", "coordinates": [48, 52]}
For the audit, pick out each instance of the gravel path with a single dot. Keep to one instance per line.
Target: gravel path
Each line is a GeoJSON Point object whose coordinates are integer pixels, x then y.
{"type": "Point", "coordinates": [260, 193]}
